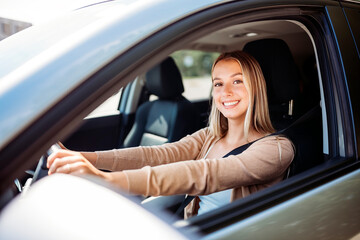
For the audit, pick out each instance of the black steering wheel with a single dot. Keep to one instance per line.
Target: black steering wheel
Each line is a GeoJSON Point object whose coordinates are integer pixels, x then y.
{"type": "Point", "coordinates": [41, 168]}
{"type": "Point", "coordinates": [40, 171]}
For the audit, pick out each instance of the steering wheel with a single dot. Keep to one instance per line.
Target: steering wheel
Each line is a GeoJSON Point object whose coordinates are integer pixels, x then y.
{"type": "Point", "coordinates": [41, 168]}
{"type": "Point", "coordinates": [40, 171]}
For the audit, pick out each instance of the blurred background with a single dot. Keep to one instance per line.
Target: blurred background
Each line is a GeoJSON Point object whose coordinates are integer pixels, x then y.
{"type": "Point", "coordinates": [16, 15]}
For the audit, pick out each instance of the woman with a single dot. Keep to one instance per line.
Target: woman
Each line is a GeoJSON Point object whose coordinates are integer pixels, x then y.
{"type": "Point", "coordinates": [196, 164]}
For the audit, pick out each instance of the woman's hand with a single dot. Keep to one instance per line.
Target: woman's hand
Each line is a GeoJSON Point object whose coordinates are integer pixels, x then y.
{"type": "Point", "coordinates": [79, 163]}
{"type": "Point", "coordinates": [71, 162]}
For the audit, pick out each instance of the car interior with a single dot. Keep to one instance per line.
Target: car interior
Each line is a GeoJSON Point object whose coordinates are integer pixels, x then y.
{"type": "Point", "coordinates": [155, 107]}
{"type": "Point", "coordinates": [168, 118]}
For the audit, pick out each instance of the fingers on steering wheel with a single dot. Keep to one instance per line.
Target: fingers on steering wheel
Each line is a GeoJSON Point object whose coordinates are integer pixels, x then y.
{"type": "Point", "coordinates": [63, 169]}
{"type": "Point", "coordinates": [62, 164]}
{"type": "Point", "coordinates": [58, 154]}
{"type": "Point", "coordinates": [72, 168]}
{"type": "Point", "coordinates": [76, 168]}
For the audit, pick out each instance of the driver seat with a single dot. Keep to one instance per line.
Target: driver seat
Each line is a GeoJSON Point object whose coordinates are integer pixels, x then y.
{"type": "Point", "coordinates": [299, 118]}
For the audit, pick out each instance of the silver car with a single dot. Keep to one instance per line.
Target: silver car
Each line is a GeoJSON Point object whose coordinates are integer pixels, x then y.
{"type": "Point", "coordinates": [83, 78]}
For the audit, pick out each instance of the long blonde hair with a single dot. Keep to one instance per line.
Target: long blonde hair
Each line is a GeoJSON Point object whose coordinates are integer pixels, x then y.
{"type": "Point", "coordinates": [257, 115]}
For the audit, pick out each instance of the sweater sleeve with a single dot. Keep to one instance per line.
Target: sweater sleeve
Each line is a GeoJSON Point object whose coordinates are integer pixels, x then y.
{"type": "Point", "coordinates": [262, 162]}
{"type": "Point", "coordinates": [138, 157]}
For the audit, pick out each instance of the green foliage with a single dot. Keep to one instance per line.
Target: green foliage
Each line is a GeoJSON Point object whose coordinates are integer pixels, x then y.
{"type": "Point", "coordinates": [194, 63]}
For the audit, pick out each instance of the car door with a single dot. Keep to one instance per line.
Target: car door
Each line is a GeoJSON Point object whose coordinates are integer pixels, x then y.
{"type": "Point", "coordinates": [106, 127]}
{"type": "Point", "coordinates": [321, 202]}
{"type": "Point", "coordinates": [99, 130]}
{"type": "Point", "coordinates": [349, 47]}
{"type": "Point", "coordinates": [286, 209]}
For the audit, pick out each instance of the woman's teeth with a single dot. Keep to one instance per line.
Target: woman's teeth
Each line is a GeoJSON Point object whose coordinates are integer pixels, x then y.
{"type": "Point", "coordinates": [226, 104]}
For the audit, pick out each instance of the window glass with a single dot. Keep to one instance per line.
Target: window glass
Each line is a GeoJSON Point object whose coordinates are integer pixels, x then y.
{"type": "Point", "coordinates": [195, 68]}
{"type": "Point", "coordinates": [109, 107]}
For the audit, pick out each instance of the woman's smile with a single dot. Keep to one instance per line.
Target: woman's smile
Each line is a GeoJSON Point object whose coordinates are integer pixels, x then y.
{"type": "Point", "coordinates": [230, 104]}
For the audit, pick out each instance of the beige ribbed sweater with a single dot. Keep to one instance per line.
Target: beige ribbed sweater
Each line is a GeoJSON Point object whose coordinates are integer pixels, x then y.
{"type": "Point", "coordinates": [179, 168]}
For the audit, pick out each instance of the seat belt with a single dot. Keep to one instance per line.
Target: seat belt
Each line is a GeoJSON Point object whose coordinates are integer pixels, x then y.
{"type": "Point", "coordinates": [235, 151]}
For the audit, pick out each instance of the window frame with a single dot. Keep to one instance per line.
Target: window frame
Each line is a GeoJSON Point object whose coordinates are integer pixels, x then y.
{"type": "Point", "coordinates": [316, 21]}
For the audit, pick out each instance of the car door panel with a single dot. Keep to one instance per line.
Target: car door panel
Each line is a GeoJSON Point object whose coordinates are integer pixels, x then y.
{"type": "Point", "coordinates": [101, 133]}
{"type": "Point", "coordinates": [106, 127]}
{"type": "Point", "coordinates": [323, 213]}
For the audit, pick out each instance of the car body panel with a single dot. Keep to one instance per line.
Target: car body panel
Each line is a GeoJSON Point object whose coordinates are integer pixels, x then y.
{"type": "Point", "coordinates": [323, 213]}
{"type": "Point", "coordinates": [35, 214]}
{"type": "Point", "coordinates": [351, 70]}
{"type": "Point", "coordinates": [353, 17]}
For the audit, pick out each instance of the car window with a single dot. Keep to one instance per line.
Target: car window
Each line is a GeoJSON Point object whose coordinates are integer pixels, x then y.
{"type": "Point", "coordinates": [312, 102]}
{"type": "Point", "coordinates": [195, 68]}
{"type": "Point", "coordinates": [108, 107]}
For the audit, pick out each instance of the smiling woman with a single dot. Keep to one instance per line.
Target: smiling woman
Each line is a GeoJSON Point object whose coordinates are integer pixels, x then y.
{"type": "Point", "coordinates": [170, 169]}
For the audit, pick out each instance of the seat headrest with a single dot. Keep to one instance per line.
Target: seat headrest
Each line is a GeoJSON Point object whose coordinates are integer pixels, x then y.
{"type": "Point", "coordinates": [280, 71]}
{"type": "Point", "coordinates": [164, 80]}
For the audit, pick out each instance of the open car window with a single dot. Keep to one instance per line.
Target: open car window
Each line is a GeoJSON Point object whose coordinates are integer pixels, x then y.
{"type": "Point", "coordinates": [288, 56]}
{"type": "Point", "coordinates": [289, 103]}
{"type": "Point", "coordinates": [195, 67]}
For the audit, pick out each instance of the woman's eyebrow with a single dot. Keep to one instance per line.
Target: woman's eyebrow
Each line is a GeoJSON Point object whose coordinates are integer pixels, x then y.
{"type": "Point", "coordinates": [239, 73]}
{"type": "Point", "coordinates": [233, 75]}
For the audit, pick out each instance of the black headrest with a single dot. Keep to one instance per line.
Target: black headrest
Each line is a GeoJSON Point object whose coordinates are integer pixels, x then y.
{"type": "Point", "coordinates": [280, 71]}
{"type": "Point", "coordinates": [164, 80]}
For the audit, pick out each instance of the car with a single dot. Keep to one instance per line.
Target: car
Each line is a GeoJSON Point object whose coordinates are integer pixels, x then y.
{"type": "Point", "coordinates": [83, 78]}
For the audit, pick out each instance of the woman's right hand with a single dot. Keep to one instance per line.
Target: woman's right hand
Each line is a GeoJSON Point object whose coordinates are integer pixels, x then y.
{"type": "Point", "coordinates": [80, 163]}
{"type": "Point", "coordinates": [72, 162]}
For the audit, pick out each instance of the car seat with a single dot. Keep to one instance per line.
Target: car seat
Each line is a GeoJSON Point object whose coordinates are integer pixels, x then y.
{"type": "Point", "coordinates": [290, 108]}
{"type": "Point", "coordinates": [282, 78]}
{"type": "Point", "coordinates": [168, 118]}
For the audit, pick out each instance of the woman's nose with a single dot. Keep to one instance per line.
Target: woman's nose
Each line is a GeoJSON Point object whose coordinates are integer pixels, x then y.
{"type": "Point", "coordinates": [227, 90]}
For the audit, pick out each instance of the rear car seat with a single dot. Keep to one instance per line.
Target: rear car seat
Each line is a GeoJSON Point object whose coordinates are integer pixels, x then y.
{"type": "Point", "coordinates": [170, 117]}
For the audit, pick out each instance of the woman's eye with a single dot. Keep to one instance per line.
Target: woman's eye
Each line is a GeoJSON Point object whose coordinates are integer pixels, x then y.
{"type": "Point", "coordinates": [217, 84]}
{"type": "Point", "coordinates": [238, 81]}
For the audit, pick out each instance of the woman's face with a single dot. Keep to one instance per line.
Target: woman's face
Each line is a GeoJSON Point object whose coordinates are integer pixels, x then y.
{"type": "Point", "coordinates": [229, 92]}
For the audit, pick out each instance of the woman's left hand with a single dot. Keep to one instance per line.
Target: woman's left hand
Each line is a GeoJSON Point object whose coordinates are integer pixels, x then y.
{"type": "Point", "coordinates": [71, 162]}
